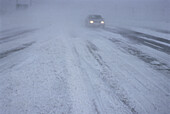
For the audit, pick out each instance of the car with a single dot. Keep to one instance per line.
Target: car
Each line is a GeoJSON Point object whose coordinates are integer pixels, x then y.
{"type": "Point", "coordinates": [95, 21]}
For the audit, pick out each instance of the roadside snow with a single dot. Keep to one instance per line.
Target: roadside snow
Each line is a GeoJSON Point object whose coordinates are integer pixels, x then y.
{"type": "Point", "coordinates": [37, 84]}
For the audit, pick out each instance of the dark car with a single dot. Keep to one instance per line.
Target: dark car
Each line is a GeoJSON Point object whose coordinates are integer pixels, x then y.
{"type": "Point", "coordinates": [95, 21]}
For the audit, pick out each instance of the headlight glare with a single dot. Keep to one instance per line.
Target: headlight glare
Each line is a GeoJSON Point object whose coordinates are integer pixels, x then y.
{"type": "Point", "coordinates": [91, 22]}
{"type": "Point", "coordinates": [102, 22]}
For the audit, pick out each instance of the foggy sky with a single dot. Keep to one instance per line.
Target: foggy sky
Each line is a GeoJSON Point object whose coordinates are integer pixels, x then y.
{"type": "Point", "coordinates": [116, 9]}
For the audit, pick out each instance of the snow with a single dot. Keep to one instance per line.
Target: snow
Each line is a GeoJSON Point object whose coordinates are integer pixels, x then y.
{"type": "Point", "coordinates": [51, 63]}
{"type": "Point", "coordinates": [36, 84]}
{"type": "Point", "coordinates": [154, 32]}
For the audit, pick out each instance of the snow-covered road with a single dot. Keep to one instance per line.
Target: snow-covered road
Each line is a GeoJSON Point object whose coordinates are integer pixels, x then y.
{"type": "Point", "coordinates": [82, 71]}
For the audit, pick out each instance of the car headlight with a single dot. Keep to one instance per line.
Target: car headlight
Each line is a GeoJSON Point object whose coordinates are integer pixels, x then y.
{"type": "Point", "coordinates": [102, 22]}
{"type": "Point", "coordinates": [91, 22]}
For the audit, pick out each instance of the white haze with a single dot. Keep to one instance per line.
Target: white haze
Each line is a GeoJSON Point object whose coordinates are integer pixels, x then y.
{"type": "Point", "coordinates": [73, 12]}
{"type": "Point", "coordinates": [51, 64]}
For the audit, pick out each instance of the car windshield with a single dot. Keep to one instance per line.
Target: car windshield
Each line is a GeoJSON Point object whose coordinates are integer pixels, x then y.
{"type": "Point", "coordinates": [95, 17]}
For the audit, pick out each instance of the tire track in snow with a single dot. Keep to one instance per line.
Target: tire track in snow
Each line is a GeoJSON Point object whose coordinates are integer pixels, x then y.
{"type": "Point", "coordinates": [146, 39]}
{"type": "Point", "coordinates": [153, 62]}
{"type": "Point", "coordinates": [97, 102]}
{"type": "Point", "coordinates": [116, 90]}
{"type": "Point", "coordinates": [82, 103]}
{"type": "Point", "coordinates": [22, 47]}
{"type": "Point", "coordinates": [15, 35]}
{"type": "Point", "coordinates": [102, 101]}
{"type": "Point", "coordinates": [156, 85]}
{"type": "Point", "coordinates": [156, 64]}
{"type": "Point", "coordinates": [94, 97]}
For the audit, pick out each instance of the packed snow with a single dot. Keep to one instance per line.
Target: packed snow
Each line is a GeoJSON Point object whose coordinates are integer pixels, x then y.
{"type": "Point", "coordinates": [51, 63]}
